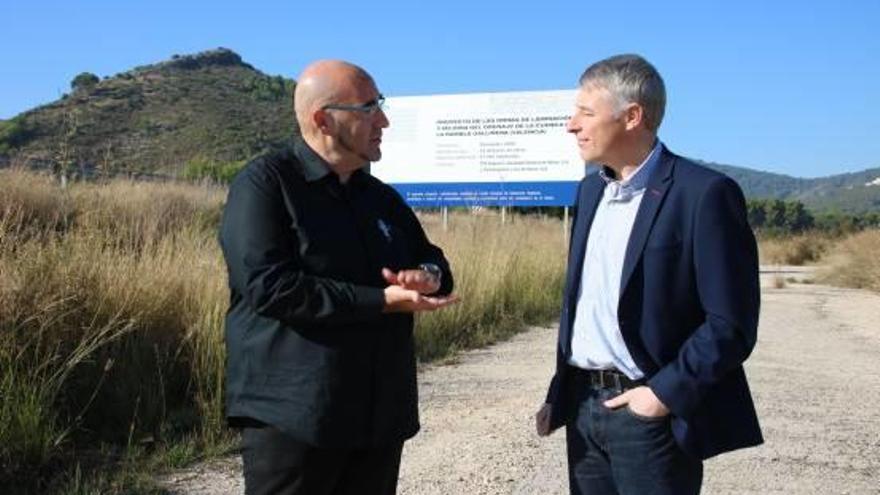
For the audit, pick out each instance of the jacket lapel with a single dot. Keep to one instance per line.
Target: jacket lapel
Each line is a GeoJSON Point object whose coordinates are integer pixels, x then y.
{"type": "Point", "coordinates": [658, 186]}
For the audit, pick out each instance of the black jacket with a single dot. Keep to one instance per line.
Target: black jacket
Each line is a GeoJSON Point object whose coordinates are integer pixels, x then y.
{"type": "Point", "coordinates": [309, 350]}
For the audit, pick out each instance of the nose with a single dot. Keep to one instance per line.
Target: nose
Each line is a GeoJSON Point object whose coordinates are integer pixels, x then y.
{"type": "Point", "coordinates": [571, 126]}
{"type": "Point", "coordinates": [382, 119]}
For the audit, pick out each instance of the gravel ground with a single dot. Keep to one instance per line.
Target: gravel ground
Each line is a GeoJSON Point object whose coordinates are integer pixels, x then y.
{"type": "Point", "coordinates": [815, 377]}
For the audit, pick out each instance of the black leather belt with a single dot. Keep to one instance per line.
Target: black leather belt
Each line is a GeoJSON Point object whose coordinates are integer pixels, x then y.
{"type": "Point", "coordinates": [611, 379]}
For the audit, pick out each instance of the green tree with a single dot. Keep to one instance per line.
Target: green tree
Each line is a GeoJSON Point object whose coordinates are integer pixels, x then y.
{"type": "Point", "coordinates": [797, 218]}
{"type": "Point", "coordinates": [776, 214]}
{"type": "Point", "coordinates": [85, 80]}
{"type": "Point", "coordinates": [757, 212]}
{"type": "Point", "coordinates": [13, 133]}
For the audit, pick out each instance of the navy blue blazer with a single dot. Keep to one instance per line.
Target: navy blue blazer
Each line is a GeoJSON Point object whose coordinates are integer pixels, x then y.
{"type": "Point", "coordinates": [689, 303]}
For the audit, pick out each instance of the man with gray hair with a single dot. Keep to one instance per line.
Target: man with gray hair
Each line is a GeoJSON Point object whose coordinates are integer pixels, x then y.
{"type": "Point", "coordinates": [660, 306]}
{"type": "Point", "coordinates": [326, 267]}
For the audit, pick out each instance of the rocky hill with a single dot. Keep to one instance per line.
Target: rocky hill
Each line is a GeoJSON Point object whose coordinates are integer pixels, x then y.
{"type": "Point", "coordinates": [210, 106]}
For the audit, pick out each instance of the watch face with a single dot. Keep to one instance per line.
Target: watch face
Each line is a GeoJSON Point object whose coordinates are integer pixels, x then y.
{"type": "Point", "coordinates": [432, 269]}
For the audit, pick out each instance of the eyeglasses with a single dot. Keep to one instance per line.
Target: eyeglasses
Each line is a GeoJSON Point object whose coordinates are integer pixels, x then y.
{"type": "Point", "coordinates": [371, 107]}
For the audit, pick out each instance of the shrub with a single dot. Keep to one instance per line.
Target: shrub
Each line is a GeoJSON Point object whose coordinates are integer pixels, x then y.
{"type": "Point", "coordinates": [793, 250]}
{"type": "Point", "coordinates": [13, 133]}
{"type": "Point", "coordinates": [199, 169]}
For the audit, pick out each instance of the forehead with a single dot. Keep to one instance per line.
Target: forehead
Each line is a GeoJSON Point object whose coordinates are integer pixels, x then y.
{"type": "Point", "coordinates": [362, 87]}
{"type": "Point", "coordinates": [592, 95]}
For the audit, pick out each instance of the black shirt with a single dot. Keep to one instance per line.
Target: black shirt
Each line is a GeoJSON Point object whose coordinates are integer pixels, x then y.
{"type": "Point", "coordinates": [309, 349]}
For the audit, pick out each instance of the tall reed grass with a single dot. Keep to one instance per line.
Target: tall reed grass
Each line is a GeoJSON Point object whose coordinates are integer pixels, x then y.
{"type": "Point", "coordinates": [112, 298]}
{"type": "Point", "coordinates": [106, 297]}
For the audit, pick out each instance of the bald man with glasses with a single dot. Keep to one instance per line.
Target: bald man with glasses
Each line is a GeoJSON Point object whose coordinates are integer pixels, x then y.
{"type": "Point", "coordinates": [327, 266]}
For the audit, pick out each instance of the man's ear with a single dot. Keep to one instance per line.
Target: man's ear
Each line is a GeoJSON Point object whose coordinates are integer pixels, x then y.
{"type": "Point", "coordinates": [633, 115]}
{"type": "Point", "coordinates": [323, 122]}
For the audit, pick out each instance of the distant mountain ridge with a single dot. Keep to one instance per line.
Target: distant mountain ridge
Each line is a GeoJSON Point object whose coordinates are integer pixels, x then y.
{"type": "Point", "coordinates": [212, 107]}
{"type": "Point", "coordinates": [854, 192]}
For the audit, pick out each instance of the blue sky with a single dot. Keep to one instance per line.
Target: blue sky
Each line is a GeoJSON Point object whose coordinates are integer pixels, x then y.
{"type": "Point", "coordinates": [786, 86]}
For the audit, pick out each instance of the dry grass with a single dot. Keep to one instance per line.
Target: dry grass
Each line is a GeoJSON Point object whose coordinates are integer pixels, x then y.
{"type": "Point", "coordinates": [507, 276]}
{"type": "Point", "coordinates": [800, 249]}
{"type": "Point", "coordinates": [853, 262]}
{"type": "Point", "coordinates": [106, 293]}
{"type": "Point", "coordinates": [112, 298]}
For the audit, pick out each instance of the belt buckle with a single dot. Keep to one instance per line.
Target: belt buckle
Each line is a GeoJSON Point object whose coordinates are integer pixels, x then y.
{"type": "Point", "coordinates": [601, 378]}
{"type": "Point", "coordinates": [610, 379]}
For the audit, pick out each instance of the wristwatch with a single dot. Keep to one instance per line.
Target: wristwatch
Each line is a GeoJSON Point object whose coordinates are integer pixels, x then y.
{"type": "Point", "coordinates": [432, 270]}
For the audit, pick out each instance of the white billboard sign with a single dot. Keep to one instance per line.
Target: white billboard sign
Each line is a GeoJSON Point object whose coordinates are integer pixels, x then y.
{"type": "Point", "coordinates": [481, 149]}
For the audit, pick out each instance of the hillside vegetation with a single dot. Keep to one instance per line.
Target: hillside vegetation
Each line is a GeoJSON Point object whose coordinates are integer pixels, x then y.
{"type": "Point", "coordinates": [156, 119]}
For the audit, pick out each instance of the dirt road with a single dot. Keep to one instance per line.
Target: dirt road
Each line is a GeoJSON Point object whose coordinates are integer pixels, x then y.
{"type": "Point", "coordinates": [815, 376]}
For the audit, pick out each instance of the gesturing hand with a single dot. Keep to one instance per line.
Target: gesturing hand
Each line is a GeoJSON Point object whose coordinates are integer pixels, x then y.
{"type": "Point", "coordinates": [400, 300]}
{"type": "Point", "coordinates": [417, 280]}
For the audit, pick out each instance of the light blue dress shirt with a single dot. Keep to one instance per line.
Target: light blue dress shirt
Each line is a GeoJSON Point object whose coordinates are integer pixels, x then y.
{"type": "Point", "coordinates": [596, 341]}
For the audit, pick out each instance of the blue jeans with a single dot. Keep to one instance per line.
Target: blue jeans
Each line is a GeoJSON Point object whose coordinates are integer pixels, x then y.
{"type": "Point", "coordinates": [616, 452]}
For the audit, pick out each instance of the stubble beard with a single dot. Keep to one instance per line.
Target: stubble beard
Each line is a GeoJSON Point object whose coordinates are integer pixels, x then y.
{"type": "Point", "coordinates": [345, 144]}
